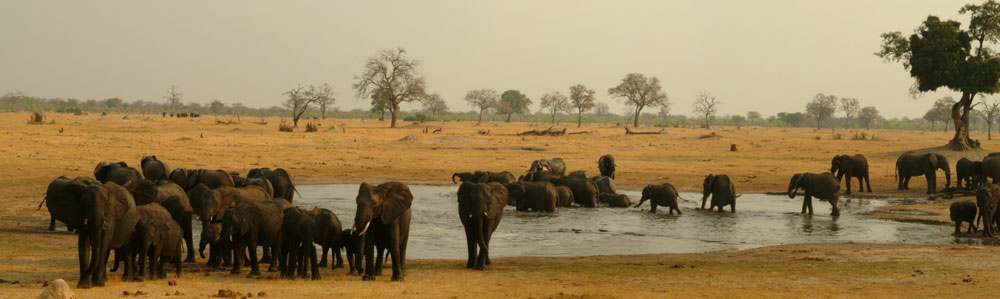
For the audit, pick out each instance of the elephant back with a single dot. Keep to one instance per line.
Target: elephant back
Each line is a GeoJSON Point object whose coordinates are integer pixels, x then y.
{"type": "Point", "coordinates": [723, 190]}
{"type": "Point", "coordinates": [991, 169]}
{"type": "Point", "coordinates": [123, 213]}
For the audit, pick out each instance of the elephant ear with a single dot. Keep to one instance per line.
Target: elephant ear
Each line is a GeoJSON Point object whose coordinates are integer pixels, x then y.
{"type": "Point", "coordinates": [396, 200]}
{"type": "Point", "coordinates": [498, 198]}
{"type": "Point", "coordinates": [244, 224]}
{"type": "Point", "coordinates": [464, 189]}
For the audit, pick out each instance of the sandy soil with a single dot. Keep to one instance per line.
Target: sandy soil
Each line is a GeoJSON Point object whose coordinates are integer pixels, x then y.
{"type": "Point", "coordinates": [356, 151]}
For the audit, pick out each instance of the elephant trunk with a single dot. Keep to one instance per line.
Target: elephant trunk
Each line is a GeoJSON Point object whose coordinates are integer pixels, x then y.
{"type": "Point", "coordinates": [793, 186]}
{"type": "Point", "coordinates": [201, 245]}
{"type": "Point", "coordinates": [947, 176]}
{"type": "Point", "coordinates": [453, 178]}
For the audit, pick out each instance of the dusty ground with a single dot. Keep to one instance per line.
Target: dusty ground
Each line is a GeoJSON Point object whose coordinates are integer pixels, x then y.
{"type": "Point", "coordinates": [32, 155]}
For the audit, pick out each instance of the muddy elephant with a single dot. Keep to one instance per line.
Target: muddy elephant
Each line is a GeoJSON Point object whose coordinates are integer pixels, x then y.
{"type": "Point", "coordinates": [189, 178]}
{"type": "Point", "coordinates": [615, 200]}
{"type": "Point", "coordinates": [153, 169]}
{"type": "Point", "coordinates": [855, 166]}
{"type": "Point", "coordinates": [660, 195]}
{"type": "Point", "coordinates": [64, 205]}
{"type": "Point", "coordinates": [536, 196]}
{"type": "Point", "coordinates": [553, 166]}
{"type": "Point", "coordinates": [605, 184]}
{"type": "Point", "coordinates": [281, 181]}
{"type": "Point", "coordinates": [991, 170]}
{"type": "Point", "coordinates": [327, 228]}
{"type": "Point", "coordinates": [110, 216]}
{"type": "Point", "coordinates": [480, 208]}
{"type": "Point", "coordinates": [988, 202]}
{"type": "Point", "coordinates": [964, 211]}
{"type": "Point", "coordinates": [118, 172]}
{"type": "Point", "coordinates": [607, 165]}
{"type": "Point", "coordinates": [479, 176]}
{"type": "Point", "coordinates": [252, 224]}
{"type": "Point", "coordinates": [970, 172]}
{"type": "Point", "coordinates": [723, 192]}
{"type": "Point", "coordinates": [158, 242]}
{"type": "Point", "coordinates": [299, 230]}
{"type": "Point", "coordinates": [913, 164]}
{"type": "Point", "coordinates": [585, 191]}
{"type": "Point", "coordinates": [822, 185]}
{"type": "Point", "coordinates": [565, 196]}
{"type": "Point", "coordinates": [383, 214]}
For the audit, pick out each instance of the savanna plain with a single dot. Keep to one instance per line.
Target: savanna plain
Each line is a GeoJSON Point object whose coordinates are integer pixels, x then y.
{"type": "Point", "coordinates": [369, 151]}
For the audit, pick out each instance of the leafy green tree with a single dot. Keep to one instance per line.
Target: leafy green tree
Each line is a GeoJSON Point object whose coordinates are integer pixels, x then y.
{"type": "Point", "coordinates": [821, 108]}
{"type": "Point", "coordinates": [850, 107]}
{"type": "Point", "coordinates": [217, 107]}
{"type": "Point", "coordinates": [582, 99]}
{"type": "Point", "coordinates": [791, 119]}
{"type": "Point", "coordinates": [513, 102]}
{"type": "Point", "coordinates": [868, 116]}
{"type": "Point", "coordinates": [113, 103]}
{"type": "Point", "coordinates": [940, 54]}
{"type": "Point", "coordinates": [639, 92]}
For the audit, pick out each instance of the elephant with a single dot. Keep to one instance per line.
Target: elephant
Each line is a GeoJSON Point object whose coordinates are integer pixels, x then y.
{"type": "Point", "coordinates": [153, 169]}
{"type": "Point", "coordinates": [161, 241]}
{"type": "Point", "coordinates": [553, 166]}
{"type": "Point", "coordinates": [195, 194]}
{"type": "Point", "coordinates": [585, 191]}
{"type": "Point", "coordinates": [853, 167]}
{"type": "Point", "coordinates": [351, 242]}
{"type": "Point", "coordinates": [480, 208]}
{"type": "Point", "coordinates": [118, 172]}
{"type": "Point", "coordinates": [605, 184]}
{"type": "Point", "coordinates": [214, 205]}
{"type": "Point", "coordinates": [238, 181]}
{"type": "Point", "coordinates": [260, 182]}
{"type": "Point", "coordinates": [912, 164]}
{"type": "Point", "coordinates": [252, 224]}
{"type": "Point", "coordinates": [538, 176]}
{"type": "Point", "coordinates": [110, 215]}
{"type": "Point", "coordinates": [327, 228]}
{"type": "Point", "coordinates": [64, 205]}
{"type": "Point", "coordinates": [299, 229]}
{"type": "Point", "coordinates": [615, 200]}
{"type": "Point", "coordinates": [723, 191]}
{"type": "Point", "coordinates": [190, 178]}
{"type": "Point", "coordinates": [280, 180]}
{"type": "Point", "coordinates": [964, 211]}
{"type": "Point", "coordinates": [174, 199]}
{"type": "Point", "coordinates": [483, 177]}
{"type": "Point", "coordinates": [988, 199]}
{"type": "Point", "coordinates": [991, 170]}
{"type": "Point", "coordinates": [565, 196]}
{"type": "Point", "coordinates": [384, 214]}
{"type": "Point", "coordinates": [823, 186]}
{"type": "Point", "coordinates": [537, 196]}
{"type": "Point", "coordinates": [579, 174]}
{"type": "Point", "coordinates": [607, 165]}
{"type": "Point", "coordinates": [970, 172]}
{"type": "Point", "coordinates": [660, 195]}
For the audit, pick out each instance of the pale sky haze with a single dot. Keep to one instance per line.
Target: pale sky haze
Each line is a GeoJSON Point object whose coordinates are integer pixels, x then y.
{"type": "Point", "coordinates": [768, 56]}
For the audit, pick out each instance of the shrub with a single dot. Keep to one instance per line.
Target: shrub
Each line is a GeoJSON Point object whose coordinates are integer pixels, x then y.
{"type": "Point", "coordinates": [285, 127]}
{"type": "Point", "coordinates": [838, 136]}
{"type": "Point", "coordinates": [36, 118]}
{"type": "Point", "coordinates": [311, 127]}
{"type": "Point", "coordinates": [818, 138]}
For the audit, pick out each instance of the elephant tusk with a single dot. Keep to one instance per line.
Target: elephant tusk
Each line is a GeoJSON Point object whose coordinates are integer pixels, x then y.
{"type": "Point", "coordinates": [365, 229]}
{"type": "Point", "coordinates": [470, 216]}
{"type": "Point", "coordinates": [486, 214]}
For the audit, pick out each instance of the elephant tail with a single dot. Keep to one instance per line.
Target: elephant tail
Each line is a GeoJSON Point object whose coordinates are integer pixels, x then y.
{"type": "Point", "coordinates": [43, 202]}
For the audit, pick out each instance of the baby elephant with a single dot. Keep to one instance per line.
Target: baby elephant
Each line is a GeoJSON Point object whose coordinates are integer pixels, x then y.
{"type": "Point", "coordinates": [964, 211]}
{"type": "Point", "coordinates": [615, 200]}
{"type": "Point", "coordinates": [161, 241]}
{"type": "Point", "coordinates": [660, 195]}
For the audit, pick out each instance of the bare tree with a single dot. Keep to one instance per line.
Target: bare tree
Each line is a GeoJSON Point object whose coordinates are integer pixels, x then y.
{"type": "Point", "coordinates": [298, 101]}
{"type": "Point", "coordinates": [393, 74]}
{"type": "Point", "coordinates": [582, 99]}
{"type": "Point", "coordinates": [435, 105]}
{"type": "Point", "coordinates": [639, 92]}
{"type": "Point", "coordinates": [601, 109]}
{"type": "Point", "coordinates": [868, 115]}
{"type": "Point", "coordinates": [821, 107]}
{"type": "Point", "coordinates": [940, 111]}
{"type": "Point", "coordinates": [706, 105]}
{"type": "Point", "coordinates": [850, 107]}
{"type": "Point", "coordinates": [989, 111]}
{"type": "Point", "coordinates": [173, 98]}
{"type": "Point", "coordinates": [664, 111]}
{"type": "Point", "coordinates": [482, 99]}
{"type": "Point", "coordinates": [554, 102]}
{"type": "Point", "coordinates": [323, 96]}
{"type": "Point", "coordinates": [753, 115]}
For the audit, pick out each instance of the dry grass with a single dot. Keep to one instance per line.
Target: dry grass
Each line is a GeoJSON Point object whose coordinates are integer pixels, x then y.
{"type": "Point", "coordinates": [31, 156]}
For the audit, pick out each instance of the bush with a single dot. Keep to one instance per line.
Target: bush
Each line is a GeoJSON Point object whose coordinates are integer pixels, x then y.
{"type": "Point", "coordinates": [285, 127]}
{"type": "Point", "coordinates": [838, 136]}
{"type": "Point", "coordinates": [818, 138]}
{"type": "Point", "coordinates": [862, 136]}
{"type": "Point", "coordinates": [419, 117]}
{"type": "Point", "coordinates": [311, 127]}
{"type": "Point", "coordinates": [36, 118]}
{"type": "Point", "coordinates": [74, 110]}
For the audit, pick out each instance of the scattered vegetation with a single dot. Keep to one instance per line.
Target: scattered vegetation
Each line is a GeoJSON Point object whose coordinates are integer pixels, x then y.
{"type": "Point", "coordinates": [311, 127]}
{"type": "Point", "coordinates": [863, 136]}
{"type": "Point", "coordinates": [36, 118]}
{"type": "Point", "coordinates": [285, 127]}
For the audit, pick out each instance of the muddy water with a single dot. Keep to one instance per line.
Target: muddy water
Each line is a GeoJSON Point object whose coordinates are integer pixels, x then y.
{"type": "Point", "coordinates": [760, 220]}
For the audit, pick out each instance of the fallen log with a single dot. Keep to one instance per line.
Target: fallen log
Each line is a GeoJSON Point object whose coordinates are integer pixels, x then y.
{"type": "Point", "coordinates": [546, 132]}
{"type": "Point", "coordinates": [630, 132]}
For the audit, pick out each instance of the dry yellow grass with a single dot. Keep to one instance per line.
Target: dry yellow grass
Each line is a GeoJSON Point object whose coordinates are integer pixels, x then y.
{"type": "Point", "coordinates": [32, 155]}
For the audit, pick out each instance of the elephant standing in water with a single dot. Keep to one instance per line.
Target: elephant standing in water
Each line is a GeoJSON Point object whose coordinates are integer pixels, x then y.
{"type": "Point", "coordinates": [853, 167]}
{"type": "Point", "coordinates": [483, 177]}
{"type": "Point", "coordinates": [823, 186]}
{"type": "Point", "coordinates": [554, 166]}
{"type": "Point", "coordinates": [537, 196]}
{"type": "Point", "coordinates": [723, 192]}
{"type": "Point", "coordinates": [384, 215]}
{"type": "Point", "coordinates": [607, 165]}
{"type": "Point", "coordinates": [912, 164]}
{"type": "Point", "coordinates": [660, 195]}
{"type": "Point", "coordinates": [480, 208]}
{"type": "Point", "coordinates": [280, 180]}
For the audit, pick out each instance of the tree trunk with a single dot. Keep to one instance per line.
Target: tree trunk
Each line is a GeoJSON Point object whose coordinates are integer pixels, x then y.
{"type": "Point", "coordinates": [322, 109]}
{"type": "Point", "coordinates": [579, 117]}
{"type": "Point", "coordinates": [394, 109]}
{"type": "Point", "coordinates": [932, 126]}
{"type": "Point", "coordinates": [553, 117]}
{"type": "Point", "coordinates": [707, 124]}
{"type": "Point", "coordinates": [635, 123]}
{"type": "Point", "coordinates": [508, 117]}
{"type": "Point", "coordinates": [961, 140]}
{"type": "Point", "coordinates": [480, 116]}
{"type": "Point", "coordinates": [818, 121]}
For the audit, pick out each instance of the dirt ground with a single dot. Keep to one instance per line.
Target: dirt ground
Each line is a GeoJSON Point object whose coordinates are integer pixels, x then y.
{"type": "Point", "coordinates": [353, 151]}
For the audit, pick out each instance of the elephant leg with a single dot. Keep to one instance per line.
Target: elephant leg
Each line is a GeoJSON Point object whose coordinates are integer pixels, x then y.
{"type": "Point", "coordinates": [238, 255]}
{"type": "Point", "coordinates": [484, 249]}
{"type": "Point", "coordinates": [254, 263]}
{"type": "Point", "coordinates": [338, 259]}
{"type": "Point", "coordinates": [809, 203]}
{"type": "Point", "coordinates": [732, 206]}
{"type": "Point", "coordinates": [471, 244]}
{"type": "Point", "coordinates": [652, 207]}
{"type": "Point", "coordinates": [379, 260]}
{"type": "Point", "coordinates": [397, 264]}
{"type": "Point", "coordinates": [931, 183]}
{"type": "Point", "coordinates": [868, 183]}
{"type": "Point", "coordinates": [836, 210]}
{"type": "Point", "coordinates": [267, 255]}
{"type": "Point", "coordinates": [322, 261]}
{"type": "Point", "coordinates": [226, 252]}
{"type": "Point", "coordinates": [313, 263]}
{"type": "Point", "coordinates": [899, 182]}
{"type": "Point", "coordinates": [188, 237]}
{"type": "Point", "coordinates": [847, 182]}
{"type": "Point", "coordinates": [805, 204]}
{"type": "Point", "coordinates": [906, 183]}
{"type": "Point", "coordinates": [52, 223]}
{"type": "Point", "coordinates": [369, 256]}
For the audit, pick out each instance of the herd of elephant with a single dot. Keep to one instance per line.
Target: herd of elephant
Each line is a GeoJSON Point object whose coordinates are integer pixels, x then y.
{"type": "Point", "coordinates": [145, 217]}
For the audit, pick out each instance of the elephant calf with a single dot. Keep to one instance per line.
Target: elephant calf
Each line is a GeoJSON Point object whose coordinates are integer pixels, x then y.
{"type": "Point", "coordinates": [660, 195]}
{"type": "Point", "coordinates": [853, 167]}
{"type": "Point", "coordinates": [964, 211]}
{"type": "Point", "coordinates": [328, 226]}
{"type": "Point", "coordinates": [351, 242]}
{"type": "Point", "coordinates": [988, 200]}
{"type": "Point", "coordinates": [565, 196]}
{"type": "Point", "coordinates": [249, 225]}
{"type": "Point", "coordinates": [615, 200]}
{"type": "Point", "coordinates": [298, 228]}
{"type": "Point", "coordinates": [823, 186]}
{"type": "Point", "coordinates": [160, 241]}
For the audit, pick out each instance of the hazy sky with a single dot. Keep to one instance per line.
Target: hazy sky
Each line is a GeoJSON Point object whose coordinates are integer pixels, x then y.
{"type": "Point", "coordinates": [769, 56]}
